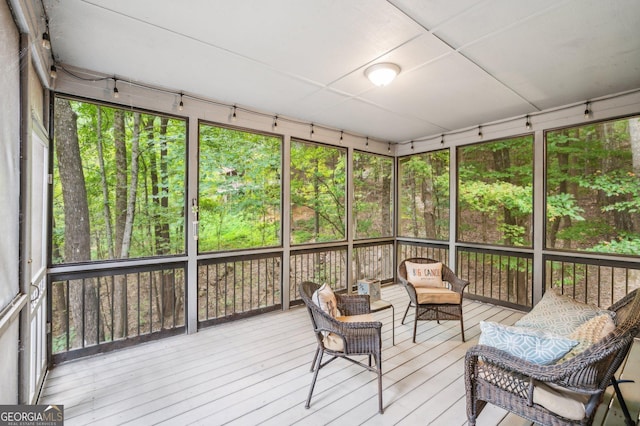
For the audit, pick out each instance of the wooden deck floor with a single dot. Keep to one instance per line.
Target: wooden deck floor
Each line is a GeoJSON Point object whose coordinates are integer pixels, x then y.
{"type": "Point", "coordinates": [256, 371]}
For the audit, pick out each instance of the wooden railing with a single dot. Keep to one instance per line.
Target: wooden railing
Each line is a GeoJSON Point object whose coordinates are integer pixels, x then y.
{"type": "Point", "coordinates": [97, 310]}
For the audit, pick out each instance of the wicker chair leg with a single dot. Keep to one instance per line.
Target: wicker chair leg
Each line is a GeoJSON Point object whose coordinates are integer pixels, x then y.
{"type": "Point", "coordinates": [313, 363]}
{"type": "Point", "coordinates": [405, 313]}
{"type": "Point", "coordinates": [623, 405]}
{"type": "Point", "coordinates": [316, 370]}
{"type": "Point", "coordinates": [415, 325]}
{"type": "Point", "coordinates": [379, 365]}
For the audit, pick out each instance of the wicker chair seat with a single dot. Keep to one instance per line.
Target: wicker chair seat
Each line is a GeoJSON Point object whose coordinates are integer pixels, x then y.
{"type": "Point", "coordinates": [437, 295]}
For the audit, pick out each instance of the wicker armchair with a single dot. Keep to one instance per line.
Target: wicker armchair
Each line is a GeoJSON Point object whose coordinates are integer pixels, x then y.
{"type": "Point", "coordinates": [494, 376]}
{"type": "Point", "coordinates": [433, 309]}
{"type": "Point", "coordinates": [356, 337]}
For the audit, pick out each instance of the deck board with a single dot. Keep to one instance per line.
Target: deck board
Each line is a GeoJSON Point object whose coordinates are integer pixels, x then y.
{"type": "Point", "coordinates": [256, 371]}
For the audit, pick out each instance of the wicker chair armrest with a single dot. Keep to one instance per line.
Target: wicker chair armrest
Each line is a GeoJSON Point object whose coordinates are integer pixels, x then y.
{"type": "Point", "coordinates": [411, 290]}
{"type": "Point", "coordinates": [458, 284]}
{"type": "Point", "coordinates": [353, 304]}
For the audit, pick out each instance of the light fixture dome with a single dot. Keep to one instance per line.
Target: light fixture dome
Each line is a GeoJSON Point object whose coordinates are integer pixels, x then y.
{"type": "Point", "coordinates": [382, 74]}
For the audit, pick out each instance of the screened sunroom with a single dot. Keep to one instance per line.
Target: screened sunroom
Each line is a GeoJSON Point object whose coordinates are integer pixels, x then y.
{"type": "Point", "coordinates": [172, 173]}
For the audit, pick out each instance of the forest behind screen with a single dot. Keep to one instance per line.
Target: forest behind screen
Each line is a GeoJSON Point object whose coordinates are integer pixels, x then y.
{"type": "Point", "coordinates": [120, 184]}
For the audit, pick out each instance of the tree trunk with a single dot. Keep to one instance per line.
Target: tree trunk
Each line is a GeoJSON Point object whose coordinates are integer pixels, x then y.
{"type": "Point", "coordinates": [119, 140]}
{"type": "Point", "coordinates": [105, 188]}
{"type": "Point", "coordinates": [77, 244]}
{"type": "Point", "coordinates": [133, 189]}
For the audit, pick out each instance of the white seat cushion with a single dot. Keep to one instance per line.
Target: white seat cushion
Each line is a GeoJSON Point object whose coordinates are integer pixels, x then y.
{"type": "Point", "coordinates": [559, 400]}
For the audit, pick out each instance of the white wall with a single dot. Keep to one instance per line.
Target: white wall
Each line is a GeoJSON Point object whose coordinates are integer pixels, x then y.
{"type": "Point", "coordinates": [9, 204]}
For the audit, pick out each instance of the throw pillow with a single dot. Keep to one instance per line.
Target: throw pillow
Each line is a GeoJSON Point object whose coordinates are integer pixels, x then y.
{"type": "Point", "coordinates": [533, 345]}
{"type": "Point", "coordinates": [559, 314]}
{"type": "Point", "coordinates": [589, 333]}
{"type": "Point", "coordinates": [424, 274]}
{"type": "Point", "coordinates": [326, 300]}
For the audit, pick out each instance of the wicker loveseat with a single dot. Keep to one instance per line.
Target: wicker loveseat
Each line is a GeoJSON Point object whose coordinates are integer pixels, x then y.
{"type": "Point", "coordinates": [495, 376]}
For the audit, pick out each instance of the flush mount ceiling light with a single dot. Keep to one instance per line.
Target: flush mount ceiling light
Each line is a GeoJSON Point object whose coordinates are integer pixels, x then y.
{"type": "Point", "coordinates": [382, 74]}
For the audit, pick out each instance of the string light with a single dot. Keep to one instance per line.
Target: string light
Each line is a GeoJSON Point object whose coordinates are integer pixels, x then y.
{"type": "Point", "coordinates": [480, 132]}
{"type": "Point", "coordinates": [46, 41]}
{"type": "Point", "coordinates": [412, 145]}
{"type": "Point", "coordinates": [389, 147]}
{"type": "Point", "coordinates": [587, 111]}
{"type": "Point", "coordinates": [234, 117]}
{"type": "Point", "coordinates": [527, 123]}
{"type": "Point", "coordinates": [275, 122]}
{"type": "Point", "coordinates": [116, 93]}
{"type": "Point", "coordinates": [312, 131]}
{"type": "Point", "coordinates": [367, 143]}
{"type": "Point", "coordinates": [53, 71]}
{"type": "Point", "coordinates": [181, 104]}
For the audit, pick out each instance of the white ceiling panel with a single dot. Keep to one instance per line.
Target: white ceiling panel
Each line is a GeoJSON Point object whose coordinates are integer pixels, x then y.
{"type": "Point", "coordinates": [373, 120]}
{"type": "Point", "coordinates": [463, 62]}
{"type": "Point", "coordinates": [580, 50]}
{"type": "Point", "coordinates": [493, 17]}
{"type": "Point", "coordinates": [433, 13]}
{"type": "Point", "coordinates": [450, 84]}
{"type": "Point", "coordinates": [321, 41]}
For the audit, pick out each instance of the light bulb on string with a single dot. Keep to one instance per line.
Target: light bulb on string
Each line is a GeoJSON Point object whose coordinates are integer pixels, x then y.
{"type": "Point", "coordinates": [341, 136]}
{"type": "Point", "coordinates": [367, 142]}
{"type": "Point", "coordinates": [46, 41]}
{"type": "Point", "coordinates": [275, 122]}
{"type": "Point", "coordinates": [442, 139]}
{"type": "Point", "coordinates": [234, 116]}
{"type": "Point", "coordinates": [527, 123]}
{"type": "Point", "coordinates": [480, 132]}
{"type": "Point", "coordinates": [412, 145]}
{"type": "Point", "coordinates": [587, 111]}
{"type": "Point", "coordinates": [389, 147]}
{"type": "Point", "coordinates": [181, 104]}
{"type": "Point", "coordinates": [116, 92]}
{"type": "Point", "coordinates": [53, 72]}
{"type": "Point", "coordinates": [312, 131]}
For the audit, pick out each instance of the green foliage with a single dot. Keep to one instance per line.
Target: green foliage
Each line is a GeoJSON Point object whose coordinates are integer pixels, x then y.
{"type": "Point", "coordinates": [495, 192]}
{"type": "Point", "coordinates": [561, 205]}
{"type": "Point", "coordinates": [424, 195]}
{"type": "Point", "coordinates": [318, 192]}
{"type": "Point", "coordinates": [626, 244]}
{"type": "Point", "coordinates": [593, 192]}
{"type": "Point", "coordinates": [162, 142]}
{"type": "Point", "coordinates": [373, 195]}
{"type": "Point", "coordinates": [239, 189]}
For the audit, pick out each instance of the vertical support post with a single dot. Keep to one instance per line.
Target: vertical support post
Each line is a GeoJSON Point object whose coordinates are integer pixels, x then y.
{"type": "Point", "coordinates": [350, 222]}
{"type": "Point", "coordinates": [191, 292]}
{"type": "Point", "coordinates": [286, 222]}
{"type": "Point", "coordinates": [538, 215]}
{"type": "Point", "coordinates": [453, 207]}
